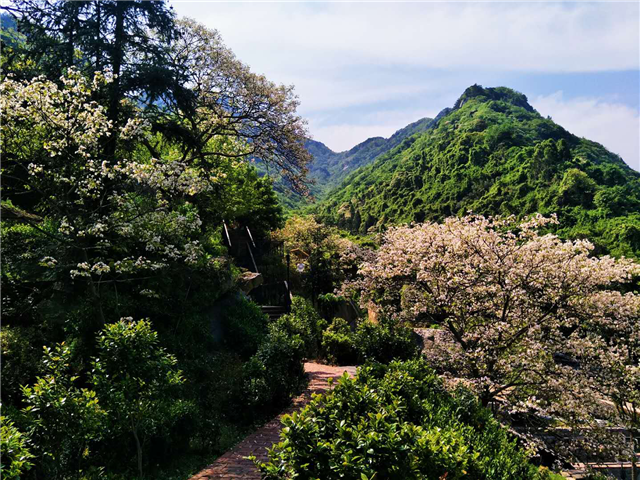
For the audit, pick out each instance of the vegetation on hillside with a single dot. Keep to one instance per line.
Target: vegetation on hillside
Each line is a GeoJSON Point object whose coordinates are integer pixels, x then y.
{"type": "Point", "coordinates": [129, 345]}
{"type": "Point", "coordinates": [493, 154]}
{"type": "Point", "coordinates": [328, 169]}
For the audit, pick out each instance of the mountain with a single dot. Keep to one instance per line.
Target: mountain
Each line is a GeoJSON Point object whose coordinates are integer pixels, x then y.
{"type": "Point", "coordinates": [329, 168]}
{"type": "Point", "coordinates": [493, 153]}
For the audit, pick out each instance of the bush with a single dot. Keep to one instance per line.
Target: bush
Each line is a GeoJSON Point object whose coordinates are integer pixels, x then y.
{"type": "Point", "coordinates": [381, 342]}
{"type": "Point", "coordinates": [276, 372]}
{"type": "Point", "coordinates": [65, 420]}
{"type": "Point", "coordinates": [338, 343]}
{"type": "Point", "coordinates": [395, 421]}
{"type": "Point", "coordinates": [20, 361]}
{"type": "Point", "coordinates": [245, 327]}
{"type": "Point", "coordinates": [135, 379]}
{"type": "Point", "coordinates": [15, 456]}
{"type": "Point", "coordinates": [385, 341]}
{"type": "Point", "coordinates": [305, 322]}
{"type": "Point", "coordinates": [328, 305]}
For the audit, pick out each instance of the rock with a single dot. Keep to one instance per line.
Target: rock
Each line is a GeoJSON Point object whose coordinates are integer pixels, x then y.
{"type": "Point", "coordinates": [250, 280]}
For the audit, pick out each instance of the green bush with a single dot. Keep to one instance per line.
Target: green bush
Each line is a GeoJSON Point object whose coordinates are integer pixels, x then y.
{"type": "Point", "coordinates": [385, 341]}
{"type": "Point", "coordinates": [381, 342]}
{"type": "Point", "coordinates": [65, 420]}
{"type": "Point", "coordinates": [15, 456]}
{"type": "Point", "coordinates": [276, 371]}
{"type": "Point", "coordinates": [245, 327]}
{"type": "Point", "coordinates": [20, 361]}
{"type": "Point", "coordinates": [328, 305]}
{"type": "Point", "coordinates": [338, 343]}
{"type": "Point", "coordinates": [305, 322]}
{"type": "Point", "coordinates": [395, 422]}
{"type": "Point", "coordinates": [135, 379]}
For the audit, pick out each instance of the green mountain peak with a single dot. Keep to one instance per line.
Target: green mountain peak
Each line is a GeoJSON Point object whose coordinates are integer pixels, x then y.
{"type": "Point", "coordinates": [503, 94]}
{"type": "Point", "coordinates": [494, 154]}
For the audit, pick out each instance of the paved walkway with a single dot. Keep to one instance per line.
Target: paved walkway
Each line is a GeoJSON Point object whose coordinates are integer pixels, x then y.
{"type": "Point", "coordinates": [233, 465]}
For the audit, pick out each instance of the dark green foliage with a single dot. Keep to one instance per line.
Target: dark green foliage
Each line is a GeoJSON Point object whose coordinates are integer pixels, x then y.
{"type": "Point", "coordinates": [338, 343]}
{"type": "Point", "coordinates": [245, 327]}
{"type": "Point", "coordinates": [276, 372]}
{"type": "Point", "coordinates": [20, 361]}
{"type": "Point", "coordinates": [304, 322]}
{"type": "Point", "coordinates": [494, 154]}
{"type": "Point", "coordinates": [385, 341]}
{"type": "Point", "coordinates": [328, 305]}
{"type": "Point", "coordinates": [381, 342]}
{"type": "Point", "coordinates": [65, 419]}
{"type": "Point", "coordinates": [396, 422]}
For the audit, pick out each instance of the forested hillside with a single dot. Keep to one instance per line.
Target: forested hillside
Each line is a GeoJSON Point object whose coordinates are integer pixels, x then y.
{"type": "Point", "coordinates": [328, 168]}
{"type": "Point", "coordinates": [159, 310]}
{"type": "Point", "coordinates": [494, 154]}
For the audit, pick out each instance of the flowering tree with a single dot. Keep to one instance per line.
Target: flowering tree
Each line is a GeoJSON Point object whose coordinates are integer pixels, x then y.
{"type": "Point", "coordinates": [100, 222]}
{"type": "Point", "coordinates": [518, 309]}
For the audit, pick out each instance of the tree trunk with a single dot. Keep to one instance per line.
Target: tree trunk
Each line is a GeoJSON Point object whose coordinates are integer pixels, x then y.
{"type": "Point", "coordinates": [94, 291]}
{"type": "Point", "coordinates": [138, 449]}
{"type": "Point", "coordinates": [116, 63]}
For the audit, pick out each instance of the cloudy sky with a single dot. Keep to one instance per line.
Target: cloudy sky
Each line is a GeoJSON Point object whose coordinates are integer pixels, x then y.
{"type": "Point", "coordinates": [364, 69]}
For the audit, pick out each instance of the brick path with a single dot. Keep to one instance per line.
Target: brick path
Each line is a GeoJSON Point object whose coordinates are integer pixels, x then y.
{"type": "Point", "coordinates": [233, 465]}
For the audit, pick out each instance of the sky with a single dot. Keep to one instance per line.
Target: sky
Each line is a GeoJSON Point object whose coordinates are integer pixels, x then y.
{"type": "Point", "coordinates": [365, 69]}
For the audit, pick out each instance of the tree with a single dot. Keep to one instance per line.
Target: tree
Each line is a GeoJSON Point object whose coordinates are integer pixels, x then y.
{"type": "Point", "coordinates": [126, 38]}
{"type": "Point", "coordinates": [517, 309]}
{"type": "Point", "coordinates": [328, 258]}
{"type": "Point", "coordinates": [64, 419]}
{"type": "Point", "coordinates": [134, 376]}
{"type": "Point", "coordinates": [231, 101]}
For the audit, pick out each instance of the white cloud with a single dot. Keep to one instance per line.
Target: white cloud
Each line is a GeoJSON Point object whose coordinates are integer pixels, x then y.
{"type": "Point", "coordinates": [352, 63]}
{"type": "Point", "coordinates": [344, 136]}
{"type": "Point", "coordinates": [614, 125]}
{"type": "Point", "coordinates": [281, 37]}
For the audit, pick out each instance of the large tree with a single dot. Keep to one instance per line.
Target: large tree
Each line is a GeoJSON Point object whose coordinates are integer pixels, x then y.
{"type": "Point", "coordinates": [127, 38]}
{"type": "Point", "coordinates": [526, 320]}
{"type": "Point", "coordinates": [231, 101]}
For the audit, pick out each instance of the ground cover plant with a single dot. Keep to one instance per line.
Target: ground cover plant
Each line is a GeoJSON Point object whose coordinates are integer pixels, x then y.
{"type": "Point", "coordinates": [396, 422]}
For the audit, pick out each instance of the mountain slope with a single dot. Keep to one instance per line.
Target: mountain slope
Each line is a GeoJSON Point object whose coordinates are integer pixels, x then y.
{"type": "Point", "coordinates": [492, 153]}
{"type": "Point", "coordinates": [329, 168]}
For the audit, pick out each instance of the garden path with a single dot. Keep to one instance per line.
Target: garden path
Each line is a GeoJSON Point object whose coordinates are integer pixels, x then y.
{"type": "Point", "coordinates": [233, 464]}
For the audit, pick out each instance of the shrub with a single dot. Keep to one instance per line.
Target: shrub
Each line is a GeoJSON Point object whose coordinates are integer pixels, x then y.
{"type": "Point", "coordinates": [134, 377]}
{"type": "Point", "coordinates": [15, 456]}
{"type": "Point", "coordinates": [395, 421]}
{"type": "Point", "coordinates": [338, 343]}
{"type": "Point", "coordinates": [381, 342]}
{"type": "Point", "coordinates": [65, 420]}
{"type": "Point", "coordinates": [276, 371]}
{"type": "Point", "coordinates": [385, 341]}
{"type": "Point", "coordinates": [328, 305]}
{"type": "Point", "coordinates": [20, 360]}
{"type": "Point", "coordinates": [305, 322]}
{"type": "Point", "coordinates": [245, 327]}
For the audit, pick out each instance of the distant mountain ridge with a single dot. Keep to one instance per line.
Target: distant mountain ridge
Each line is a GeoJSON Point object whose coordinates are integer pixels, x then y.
{"type": "Point", "coordinates": [328, 168]}
{"type": "Point", "coordinates": [494, 154]}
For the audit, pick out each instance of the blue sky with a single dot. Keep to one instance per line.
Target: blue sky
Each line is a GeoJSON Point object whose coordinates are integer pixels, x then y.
{"type": "Point", "coordinates": [367, 69]}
